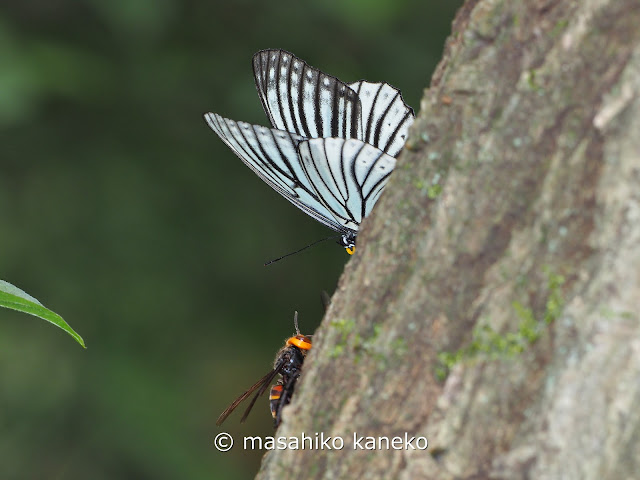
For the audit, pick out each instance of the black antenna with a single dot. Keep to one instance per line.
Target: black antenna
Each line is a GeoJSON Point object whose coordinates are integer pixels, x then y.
{"type": "Point", "coordinates": [333, 237]}
{"type": "Point", "coordinates": [295, 322]}
{"type": "Point", "coordinates": [325, 299]}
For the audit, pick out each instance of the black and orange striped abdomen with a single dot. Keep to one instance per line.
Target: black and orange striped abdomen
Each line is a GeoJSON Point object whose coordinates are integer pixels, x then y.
{"type": "Point", "coordinates": [274, 399]}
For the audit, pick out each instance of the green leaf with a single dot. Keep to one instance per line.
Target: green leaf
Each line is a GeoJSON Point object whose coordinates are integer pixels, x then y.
{"type": "Point", "coordinates": [14, 298]}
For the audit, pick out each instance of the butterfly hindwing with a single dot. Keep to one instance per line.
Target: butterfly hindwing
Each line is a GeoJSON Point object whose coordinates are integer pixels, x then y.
{"type": "Point", "coordinates": [385, 117]}
{"type": "Point", "coordinates": [301, 99]}
{"type": "Point", "coordinates": [272, 155]}
{"type": "Point", "coordinates": [347, 175]}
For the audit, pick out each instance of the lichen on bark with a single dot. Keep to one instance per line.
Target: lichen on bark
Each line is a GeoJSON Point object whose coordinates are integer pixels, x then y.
{"type": "Point", "coordinates": [530, 130]}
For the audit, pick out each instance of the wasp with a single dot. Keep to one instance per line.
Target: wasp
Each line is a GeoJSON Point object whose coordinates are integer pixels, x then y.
{"type": "Point", "coordinates": [287, 364]}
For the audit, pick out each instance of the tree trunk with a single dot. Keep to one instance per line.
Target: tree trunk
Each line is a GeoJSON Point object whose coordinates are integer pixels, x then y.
{"type": "Point", "coordinates": [492, 305]}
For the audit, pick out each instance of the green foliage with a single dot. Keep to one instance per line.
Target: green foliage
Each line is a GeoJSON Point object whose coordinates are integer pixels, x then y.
{"type": "Point", "coordinates": [123, 207]}
{"type": "Point", "coordinates": [14, 298]}
{"type": "Point", "coordinates": [488, 344]}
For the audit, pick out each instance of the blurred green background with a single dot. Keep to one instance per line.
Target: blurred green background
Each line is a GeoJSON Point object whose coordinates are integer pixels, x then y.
{"type": "Point", "coordinates": [125, 214]}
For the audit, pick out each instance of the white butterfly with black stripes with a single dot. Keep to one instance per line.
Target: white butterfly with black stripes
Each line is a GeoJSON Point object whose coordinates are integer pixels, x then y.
{"type": "Point", "coordinates": [332, 146]}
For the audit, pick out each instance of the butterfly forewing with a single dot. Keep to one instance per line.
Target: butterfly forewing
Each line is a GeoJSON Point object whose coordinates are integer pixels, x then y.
{"type": "Point", "coordinates": [385, 117]}
{"type": "Point", "coordinates": [272, 155]}
{"type": "Point", "coordinates": [299, 98]}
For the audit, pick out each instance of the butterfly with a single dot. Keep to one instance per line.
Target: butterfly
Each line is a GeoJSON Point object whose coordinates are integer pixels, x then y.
{"type": "Point", "coordinates": [332, 145]}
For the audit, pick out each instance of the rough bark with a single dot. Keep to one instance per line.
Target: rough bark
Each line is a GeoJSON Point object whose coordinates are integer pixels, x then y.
{"type": "Point", "coordinates": [509, 233]}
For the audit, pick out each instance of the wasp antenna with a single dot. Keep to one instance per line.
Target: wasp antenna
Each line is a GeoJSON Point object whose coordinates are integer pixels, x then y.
{"type": "Point", "coordinates": [332, 237]}
{"type": "Point", "coordinates": [325, 299]}
{"type": "Point", "coordinates": [295, 322]}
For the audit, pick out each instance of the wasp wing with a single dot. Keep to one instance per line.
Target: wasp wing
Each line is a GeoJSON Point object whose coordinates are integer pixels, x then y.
{"type": "Point", "coordinates": [347, 175]}
{"type": "Point", "coordinates": [259, 393]}
{"type": "Point", "coordinates": [272, 155]}
{"type": "Point", "coordinates": [264, 381]}
{"type": "Point", "coordinates": [385, 117]}
{"type": "Point", "coordinates": [301, 99]}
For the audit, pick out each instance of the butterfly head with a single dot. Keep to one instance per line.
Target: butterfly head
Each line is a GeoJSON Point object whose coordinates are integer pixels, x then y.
{"type": "Point", "coordinates": [348, 241]}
